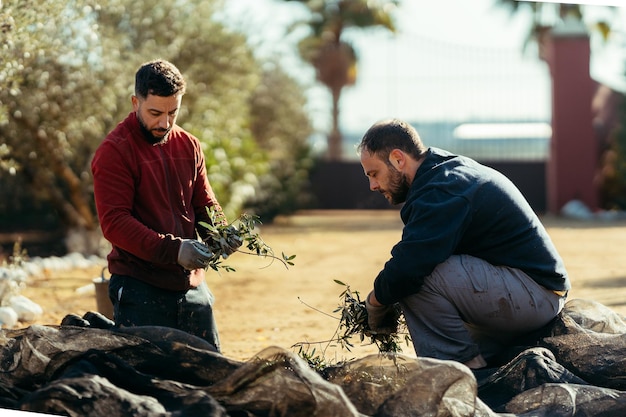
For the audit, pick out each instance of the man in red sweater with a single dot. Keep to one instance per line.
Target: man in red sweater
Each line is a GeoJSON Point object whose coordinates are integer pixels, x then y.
{"type": "Point", "coordinates": [151, 190]}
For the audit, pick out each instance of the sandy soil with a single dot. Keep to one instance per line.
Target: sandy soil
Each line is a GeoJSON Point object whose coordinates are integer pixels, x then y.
{"type": "Point", "coordinates": [263, 304]}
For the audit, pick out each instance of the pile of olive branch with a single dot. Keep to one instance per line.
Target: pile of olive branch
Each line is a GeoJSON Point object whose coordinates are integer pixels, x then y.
{"type": "Point", "coordinates": [241, 231]}
{"type": "Point", "coordinates": [353, 322]}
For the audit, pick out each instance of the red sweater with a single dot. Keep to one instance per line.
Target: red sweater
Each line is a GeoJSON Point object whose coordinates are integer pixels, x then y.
{"type": "Point", "coordinates": [148, 198]}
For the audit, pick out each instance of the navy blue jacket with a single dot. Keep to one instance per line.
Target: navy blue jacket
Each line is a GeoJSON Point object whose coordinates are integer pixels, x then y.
{"type": "Point", "coordinates": [457, 206]}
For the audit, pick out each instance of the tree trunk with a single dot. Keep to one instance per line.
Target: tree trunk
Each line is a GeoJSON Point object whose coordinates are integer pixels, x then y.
{"type": "Point", "coordinates": [335, 151]}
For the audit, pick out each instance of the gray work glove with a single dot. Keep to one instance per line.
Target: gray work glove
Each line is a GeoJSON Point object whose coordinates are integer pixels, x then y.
{"type": "Point", "coordinates": [382, 319]}
{"type": "Point", "coordinates": [193, 254]}
{"type": "Point", "coordinates": [231, 244]}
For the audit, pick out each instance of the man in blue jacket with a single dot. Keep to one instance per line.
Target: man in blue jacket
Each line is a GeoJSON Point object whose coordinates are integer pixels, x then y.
{"type": "Point", "coordinates": [475, 268]}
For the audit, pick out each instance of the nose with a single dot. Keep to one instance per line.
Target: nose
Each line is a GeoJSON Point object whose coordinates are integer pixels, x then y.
{"type": "Point", "coordinates": [374, 184]}
{"type": "Point", "coordinates": [165, 121]}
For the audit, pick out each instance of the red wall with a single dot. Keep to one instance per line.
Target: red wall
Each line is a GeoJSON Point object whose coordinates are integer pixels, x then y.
{"type": "Point", "coordinates": [573, 150]}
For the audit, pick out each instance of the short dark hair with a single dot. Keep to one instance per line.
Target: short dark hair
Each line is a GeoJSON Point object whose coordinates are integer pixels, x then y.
{"type": "Point", "coordinates": [386, 135]}
{"type": "Point", "coordinates": [159, 78]}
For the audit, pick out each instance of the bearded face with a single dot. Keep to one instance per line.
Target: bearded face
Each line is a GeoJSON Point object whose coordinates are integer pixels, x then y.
{"type": "Point", "coordinates": [157, 115]}
{"type": "Point", "coordinates": [397, 188]}
{"type": "Point", "coordinates": [385, 178]}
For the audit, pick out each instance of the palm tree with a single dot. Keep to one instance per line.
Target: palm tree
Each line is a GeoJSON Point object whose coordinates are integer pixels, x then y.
{"type": "Point", "coordinates": [539, 9]}
{"type": "Point", "coordinates": [333, 58]}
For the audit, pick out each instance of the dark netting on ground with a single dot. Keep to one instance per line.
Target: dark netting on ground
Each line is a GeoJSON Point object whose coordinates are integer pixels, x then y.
{"type": "Point", "coordinates": [395, 385]}
{"type": "Point", "coordinates": [574, 368]}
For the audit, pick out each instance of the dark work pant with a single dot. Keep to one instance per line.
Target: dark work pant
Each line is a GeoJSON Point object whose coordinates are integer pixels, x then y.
{"type": "Point", "coordinates": [136, 303]}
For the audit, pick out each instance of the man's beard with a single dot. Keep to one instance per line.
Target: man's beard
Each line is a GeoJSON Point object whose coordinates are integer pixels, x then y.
{"type": "Point", "coordinates": [150, 135]}
{"type": "Point", "coordinates": [398, 186]}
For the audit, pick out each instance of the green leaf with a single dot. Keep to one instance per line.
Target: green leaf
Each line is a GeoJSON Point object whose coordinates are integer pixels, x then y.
{"type": "Point", "coordinates": [219, 237]}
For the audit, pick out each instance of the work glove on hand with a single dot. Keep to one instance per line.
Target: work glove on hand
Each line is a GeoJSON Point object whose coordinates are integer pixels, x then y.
{"type": "Point", "coordinates": [193, 254]}
{"type": "Point", "coordinates": [382, 319]}
{"type": "Point", "coordinates": [231, 244]}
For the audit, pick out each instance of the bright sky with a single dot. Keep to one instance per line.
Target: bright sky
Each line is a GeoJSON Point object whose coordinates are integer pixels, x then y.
{"type": "Point", "coordinates": [451, 59]}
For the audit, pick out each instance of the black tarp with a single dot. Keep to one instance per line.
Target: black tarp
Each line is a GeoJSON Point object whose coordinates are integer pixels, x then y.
{"type": "Point", "coordinates": [574, 368]}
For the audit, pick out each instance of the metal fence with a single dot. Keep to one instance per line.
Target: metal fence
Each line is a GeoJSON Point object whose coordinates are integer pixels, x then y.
{"type": "Point", "coordinates": [485, 103]}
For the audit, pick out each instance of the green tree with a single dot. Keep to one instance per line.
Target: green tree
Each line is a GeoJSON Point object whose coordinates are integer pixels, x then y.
{"type": "Point", "coordinates": [282, 129]}
{"type": "Point", "coordinates": [45, 71]}
{"type": "Point", "coordinates": [333, 57]}
{"type": "Point", "coordinates": [66, 77]}
{"type": "Point", "coordinates": [612, 177]}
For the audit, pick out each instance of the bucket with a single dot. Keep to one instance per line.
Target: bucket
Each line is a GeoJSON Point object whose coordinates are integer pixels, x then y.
{"type": "Point", "coordinates": [103, 302]}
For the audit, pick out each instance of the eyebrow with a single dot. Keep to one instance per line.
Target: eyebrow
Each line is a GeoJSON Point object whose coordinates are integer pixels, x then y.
{"type": "Point", "coordinates": [152, 109]}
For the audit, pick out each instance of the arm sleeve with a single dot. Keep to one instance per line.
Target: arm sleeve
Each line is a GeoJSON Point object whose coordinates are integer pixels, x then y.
{"type": "Point", "coordinates": [114, 192]}
{"type": "Point", "coordinates": [429, 237]}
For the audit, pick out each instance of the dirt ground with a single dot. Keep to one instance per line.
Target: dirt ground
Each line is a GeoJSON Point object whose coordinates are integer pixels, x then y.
{"type": "Point", "coordinates": [264, 304]}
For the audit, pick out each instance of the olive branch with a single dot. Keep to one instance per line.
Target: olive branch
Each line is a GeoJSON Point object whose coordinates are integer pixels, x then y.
{"type": "Point", "coordinates": [220, 238]}
{"type": "Point", "coordinates": [352, 323]}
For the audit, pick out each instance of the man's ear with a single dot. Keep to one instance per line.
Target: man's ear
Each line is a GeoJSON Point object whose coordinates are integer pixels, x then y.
{"type": "Point", "coordinates": [397, 158]}
{"type": "Point", "coordinates": [135, 101]}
